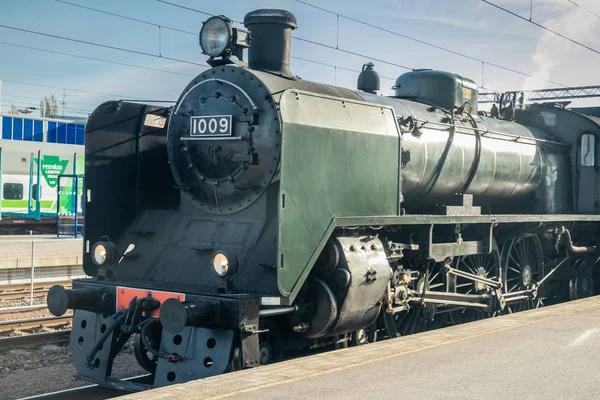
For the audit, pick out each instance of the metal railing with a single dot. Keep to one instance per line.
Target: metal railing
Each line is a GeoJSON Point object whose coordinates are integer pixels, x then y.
{"type": "Point", "coordinates": [31, 265]}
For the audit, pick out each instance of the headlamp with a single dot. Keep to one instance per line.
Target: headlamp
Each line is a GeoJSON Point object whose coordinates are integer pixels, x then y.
{"type": "Point", "coordinates": [219, 38]}
{"type": "Point", "coordinates": [104, 253]}
{"type": "Point", "coordinates": [215, 36]}
{"type": "Point", "coordinates": [223, 263]}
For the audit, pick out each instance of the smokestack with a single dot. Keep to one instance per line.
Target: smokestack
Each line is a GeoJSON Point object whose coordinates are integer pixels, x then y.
{"type": "Point", "coordinates": [271, 32]}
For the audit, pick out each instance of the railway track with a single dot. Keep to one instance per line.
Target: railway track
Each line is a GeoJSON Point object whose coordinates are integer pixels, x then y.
{"type": "Point", "coordinates": [89, 392]}
{"type": "Point", "coordinates": [12, 296]}
{"type": "Point", "coordinates": [18, 292]}
{"type": "Point", "coordinates": [47, 322]}
{"type": "Point", "coordinates": [35, 339]}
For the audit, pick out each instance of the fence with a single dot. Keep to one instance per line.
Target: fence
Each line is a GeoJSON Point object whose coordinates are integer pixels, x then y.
{"type": "Point", "coordinates": [31, 265]}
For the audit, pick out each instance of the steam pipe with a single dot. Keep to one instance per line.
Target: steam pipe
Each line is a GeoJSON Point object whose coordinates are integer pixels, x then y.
{"type": "Point", "coordinates": [272, 312]}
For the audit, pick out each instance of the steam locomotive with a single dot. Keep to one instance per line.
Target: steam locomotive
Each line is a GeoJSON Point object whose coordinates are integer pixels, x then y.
{"type": "Point", "coordinates": [264, 213]}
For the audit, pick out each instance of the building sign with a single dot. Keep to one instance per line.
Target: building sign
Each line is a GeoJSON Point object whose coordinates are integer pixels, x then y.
{"type": "Point", "coordinates": [52, 167]}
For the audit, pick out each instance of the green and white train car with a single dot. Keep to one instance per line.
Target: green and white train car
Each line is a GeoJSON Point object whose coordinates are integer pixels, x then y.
{"type": "Point", "coordinates": [58, 146]}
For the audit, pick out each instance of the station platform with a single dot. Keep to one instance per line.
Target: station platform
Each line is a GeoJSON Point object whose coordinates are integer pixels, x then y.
{"type": "Point", "coordinates": [548, 353]}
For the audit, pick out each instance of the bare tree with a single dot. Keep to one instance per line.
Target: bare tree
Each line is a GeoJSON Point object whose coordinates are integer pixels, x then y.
{"type": "Point", "coordinates": [53, 105]}
{"type": "Point", "coordinates": [13, 110]}
{"type": "Point", "coordinates": [48, 107]}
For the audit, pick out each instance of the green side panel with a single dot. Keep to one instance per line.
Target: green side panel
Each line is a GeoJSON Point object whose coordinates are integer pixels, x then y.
{"type": "Point", "coordinates": [8, 204]}
{"type": "Point", "coordinates": [339, 158]}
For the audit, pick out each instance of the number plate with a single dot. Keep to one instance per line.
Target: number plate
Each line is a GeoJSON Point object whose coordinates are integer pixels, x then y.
{"type": "Point", "coordinates": [211, 126]}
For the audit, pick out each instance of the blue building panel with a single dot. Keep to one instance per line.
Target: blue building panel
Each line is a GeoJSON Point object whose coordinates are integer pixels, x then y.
{"type": "Point", "coordinates": [17, 129]}
{"type": "Point", "coordinates": [38, 131]}
{"type": "Point", "coordinates": [28, 129]}
{"type": "Point", "coordinates": [80, 134]}
{"type": "Point", "coordinates": [52, 132]}
{"type": "Point", "coordinates": [6, 128]}
{"type": "Point", "coordinates": [62, 133]}
{"type": "Point", "coordinates": [71, 133]}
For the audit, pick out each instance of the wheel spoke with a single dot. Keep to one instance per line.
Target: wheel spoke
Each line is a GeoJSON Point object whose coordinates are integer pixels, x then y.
{"type": "Point", "coordinates": [510, 256]}
{"type": "Point", "coordinates": [513, 269]}
{"type": "Point", "coordinates": [467, 266]}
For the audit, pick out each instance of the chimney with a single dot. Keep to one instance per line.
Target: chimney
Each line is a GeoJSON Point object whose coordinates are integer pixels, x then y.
{"type": "Point", "coordinates": [271, 32]}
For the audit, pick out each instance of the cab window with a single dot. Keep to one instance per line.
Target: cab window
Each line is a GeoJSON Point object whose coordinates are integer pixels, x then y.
{"type": "Point", "coordinates": [588, 150]}
{"type": "Point", "coordinates": [12, 191]}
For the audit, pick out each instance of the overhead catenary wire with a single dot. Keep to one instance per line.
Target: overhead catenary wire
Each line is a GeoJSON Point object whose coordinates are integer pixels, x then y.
{"type": "Point", "coordinates": [366, 56]}
{"type": "Point", "coordinates": [432, 45]}
{"type": "Point", "coordinates": [584, 8]}
{"type": "Point", "coordinates": [63, 88]}
{"type": "Point", "coordinates": [106, 46]}
{"type": "Point", "coordinates": [15, 96]}
{"type": "Point", "coordinates": [123, 17]}
{"type": "Point", "coordinates": [95, 59]}
{"type": "Point", "coordinates": [24, 105]}
{"type": "Point", "coordinates": [239, 22]}
{"type": "Point", "coordinates": [543, 27]}
{"type": "Point", "coordinates": [155, 55]}
{"type": "Point", "coordinates": [299, 38]}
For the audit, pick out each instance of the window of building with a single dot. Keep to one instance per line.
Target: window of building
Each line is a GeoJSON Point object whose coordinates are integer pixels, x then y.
{"type": "Point", "coordinates": [71, 133]}
{"type": "Point", "coordinates": [6, 128]}
{"type": "Point", "coordinates": [62, 133]}
{"type": "Point", "coordinates": [588, 150]}
{"type": "Point", "coordinates": [12, 191]}
{"type": "Point", "coordinates": [80, 134]}
{"type": "Point", "coordinates": [28, 129]}
{"type": "Point", "coordinates": [17, 129]}
{"type": "Point", "coordinates": [38, 131]}
{"type": "Point", "coordinates": [52, 132]}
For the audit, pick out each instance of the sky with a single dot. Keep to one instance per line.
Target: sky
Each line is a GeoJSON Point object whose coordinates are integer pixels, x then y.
{"type": "Point", "coordinates": [478, 30]}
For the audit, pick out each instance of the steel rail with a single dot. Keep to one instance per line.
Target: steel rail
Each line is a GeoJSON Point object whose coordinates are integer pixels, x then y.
{"type": "Point", "coordinates": [34, 340]}
{"type": "Point", "coordinates": [88, 392]}
{"type": "Point", "coordinates": [34, 322]}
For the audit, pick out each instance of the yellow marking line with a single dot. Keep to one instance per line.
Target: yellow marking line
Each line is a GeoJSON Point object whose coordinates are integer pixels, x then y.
{"type": "Point", "coordinates": [225, 385]}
